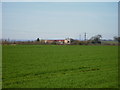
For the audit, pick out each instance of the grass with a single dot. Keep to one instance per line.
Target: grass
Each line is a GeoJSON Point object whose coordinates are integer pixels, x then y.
{"type": "Point", "coordinates": [0, 66]}
{"type": "Point", "coordinates": [60, 66]}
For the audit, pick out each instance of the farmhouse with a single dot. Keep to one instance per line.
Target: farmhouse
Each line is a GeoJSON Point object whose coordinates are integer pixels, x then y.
{"type": "Point", "coordinates": [68, 41]}
{"type": "Point", "coordinates": [54, 41]}
{"type": "Point", "coordinates": [65, 41]}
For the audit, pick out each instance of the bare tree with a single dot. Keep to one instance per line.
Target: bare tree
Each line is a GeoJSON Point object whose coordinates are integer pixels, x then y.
{"type": "Point", "coordinates": [96, 39]}
{"type": "Point", "coordinates": [38, 39]}
{"type": "Point", "coordinates": [117, 39]}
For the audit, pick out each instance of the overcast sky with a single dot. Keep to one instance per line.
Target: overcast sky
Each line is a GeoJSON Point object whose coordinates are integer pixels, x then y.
{"type": "Point", "coordinates": [59, 20]}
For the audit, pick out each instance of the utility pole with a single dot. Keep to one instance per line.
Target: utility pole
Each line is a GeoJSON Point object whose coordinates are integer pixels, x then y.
{"type": "Point", "coordinates": [85, 36]}
{"type": "Point", "coordinates": [80, 37]}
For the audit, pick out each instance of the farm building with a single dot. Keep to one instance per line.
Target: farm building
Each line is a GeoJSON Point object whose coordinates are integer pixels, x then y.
{"type": "Point", "coordinates": [65, 41]}
{"type": "Point", "coordinates": [54, 41]}
{"type": "Point", "coordinates": [68, 41]}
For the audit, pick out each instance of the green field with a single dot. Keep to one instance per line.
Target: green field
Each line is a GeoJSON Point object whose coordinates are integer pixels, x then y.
{"type": "Point", "coordinates": [0, 66]}
{"type": "Point", "coordinates": [60, 66]}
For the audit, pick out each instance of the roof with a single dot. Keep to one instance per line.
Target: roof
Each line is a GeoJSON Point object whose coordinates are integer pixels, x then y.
{"type": "Point", "coordinates": [55, 40]}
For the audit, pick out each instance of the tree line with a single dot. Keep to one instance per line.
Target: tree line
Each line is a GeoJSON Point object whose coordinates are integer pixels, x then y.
{"type": "Point", "coordinates": [95, 40]}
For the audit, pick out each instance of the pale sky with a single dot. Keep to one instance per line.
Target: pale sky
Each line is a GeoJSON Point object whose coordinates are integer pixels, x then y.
{"type": "Point", "coordinates": [59, 20]}
{"type": "Point", "coordinates": [60, 0]}
{"type": "Point", "coordinates": [0, 20]}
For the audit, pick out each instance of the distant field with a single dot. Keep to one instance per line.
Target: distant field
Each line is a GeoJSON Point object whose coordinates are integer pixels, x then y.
{"type": "Point", "coordinates": [60, 66]}
{"type": "Point", "coordinates": [109, 42]}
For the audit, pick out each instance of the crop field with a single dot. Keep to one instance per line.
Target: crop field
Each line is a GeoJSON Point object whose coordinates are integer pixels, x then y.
{"type": "Point", "coordinates": [59, 66]}
{"type": "Point", "coordinates": [0, 66]}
